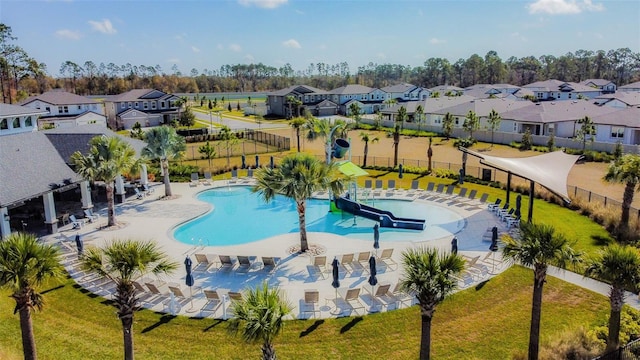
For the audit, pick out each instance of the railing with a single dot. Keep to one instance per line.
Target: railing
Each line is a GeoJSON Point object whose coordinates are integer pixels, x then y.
{"type": "Point", "coordinates": [630, 351]}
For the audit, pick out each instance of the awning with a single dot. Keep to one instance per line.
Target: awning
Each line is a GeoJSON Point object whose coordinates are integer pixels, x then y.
{"type": "Point", "coordinates": [550, 170]}
{"type": "Point", "coordinates": [350, 169]}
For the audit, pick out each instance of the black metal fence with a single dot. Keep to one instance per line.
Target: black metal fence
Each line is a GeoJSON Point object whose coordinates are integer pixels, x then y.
{"type": "Point", "coordinates": [630, 351]}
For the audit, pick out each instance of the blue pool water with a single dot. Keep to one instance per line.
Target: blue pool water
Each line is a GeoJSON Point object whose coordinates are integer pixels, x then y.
{"type": "Point", "coordinates": [240, 216]}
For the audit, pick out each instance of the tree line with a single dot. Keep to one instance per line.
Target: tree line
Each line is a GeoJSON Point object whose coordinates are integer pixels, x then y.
{"type": "Point", "coordinates": [22, 75]}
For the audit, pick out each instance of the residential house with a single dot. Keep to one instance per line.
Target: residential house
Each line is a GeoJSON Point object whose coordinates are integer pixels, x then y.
{"type": "Point", "coordinates": [633, 87]}
{"type": "Point", "coordinates": [481, 107]}
{"type": "Point", "coordinates": [406, 92]}
{"type": "Point", "coordinates": [370, 100]}
{"type": "Point", "coordinates": [16, 119]}
{"type": "Point", "coordinates": [619, 126]}
{"type": "Point", "coordinates": [485, 91]}
{"type": "Point", "coordinates": [545, 117]}
{"type": "Point", "coordinates": [446, 90]}
{"type": "Point", "coordinates": [620, 100]}
{"type": "Point", "coordinates": [314, 100]}
{"type": "Point", "coordinates": [65, 109]}
{"type": "Point", "coordinates": [561, 90]}
{"type": "Point", "coordinates": [147, 107]}
{"type": "Point", "coordinates": [606, 86]}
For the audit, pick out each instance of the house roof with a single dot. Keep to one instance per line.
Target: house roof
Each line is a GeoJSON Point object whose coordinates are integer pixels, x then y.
{"type": "Point", "coordinates": [549, 170]}
{"type": "Point", "coordinates": [431, 105]}
{"type": "Point", "coordinates": [68, 140]}
{"type": "Point", "coordinates": [59, 97]}
{"type": "Point", "coordinates": [140, 94]}
{"type": "Point", "coordinates": [629, 98]}
{"type": "Point", "coordinates": [596, 82]}
{"type": "Point", "coordinates": [629, 117]}
{"type": "Point", "coordinates": [302, 89]}
{"type": "Point", "coordinates": [69, 117]}
{"type": "Point", "coordinates": [351, 89]}
{"type": "Point", "coordinates": [482, 107]}
{"type": "Point", "coordinates": [398, 88]}
{"type": "Point", "coordinates": [30, 166]}
{"type": "Point", "coordinates": [635, 85]}
{"type": "Point", "coordinates": [17, 110]}
{"type": "Point", "coordinates": [556, 111]}
{"type": "Point", "coordinates": [557, 85]}
{"type": "Point", "coordinates": [444, 88]}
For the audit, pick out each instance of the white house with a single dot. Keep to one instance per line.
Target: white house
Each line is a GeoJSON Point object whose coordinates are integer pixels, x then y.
{"type": "Point", "coordinates": [561, 90]}
{"type": "Point", "coordinates": [65, 109]}
{"type": "Point", "coordinates": [15, 119]}
{"type": "Point", "coordinates": [620, 126]}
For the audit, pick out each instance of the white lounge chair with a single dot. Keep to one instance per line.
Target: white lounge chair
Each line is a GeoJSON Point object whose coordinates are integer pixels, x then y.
{"type": "Point", "coordinates": [90, 215]}
{"type": "Point", "coordinates": [310, 303]}
{"type": "Point", "coordinates": [77, 224]}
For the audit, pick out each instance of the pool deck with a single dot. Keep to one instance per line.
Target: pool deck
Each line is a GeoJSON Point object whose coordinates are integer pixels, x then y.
{"type": "Point", "coordinates": [152, 218]}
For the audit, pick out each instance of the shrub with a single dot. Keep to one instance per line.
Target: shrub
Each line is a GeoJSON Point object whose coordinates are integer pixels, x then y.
{"type": "Point", "coordinates": [466, 142]}
{"type": "Point", "coordinates": [527, 141]}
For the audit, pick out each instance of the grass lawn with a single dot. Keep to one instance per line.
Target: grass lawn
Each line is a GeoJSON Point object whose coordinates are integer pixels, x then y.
{"type": "Point", "coordinates": [490, 321]}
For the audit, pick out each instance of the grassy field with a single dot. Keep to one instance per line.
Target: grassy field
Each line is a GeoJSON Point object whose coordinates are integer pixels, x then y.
{"type": "Point", "coordinates": [490, 321]}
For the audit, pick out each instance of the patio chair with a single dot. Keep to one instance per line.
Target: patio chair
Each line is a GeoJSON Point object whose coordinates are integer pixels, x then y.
{"type": "Point", "coordinates": [463, 192]}
{"type": "Point", "coordinates": [415, 186]}
{"type": "Point", "coordinates": [382, 295]}
{"type": "Point", "coordinates": [465, 279]}
{"type": "Point", "coordinates": [513, 222]}
{"type": "Point", "coordinates": [402, 297]}
{"type": "Point", "coordinates": [347, 263]}
{"type": "Point", "coordinates": [195, 179]}
{"type": "Point", "coordinates": [310, 303]}
{"type": "Point", "coordinates": [377, 190]}
{"type": "Point", "coordinates": [440, 189]}
{"type": "Point", "coordinates": [204, 262]}
{"type": "Point", "coordinates": [77, 224]}
{"type": "Point", "coordinates": [352, 298]}
{"type": "Point", "coordinates": [244, 264]}
{"type": "Point", "coordinates": [506, 214]}
{"type": "Point", "coordinates": [213, 301]}
{"type": "Point", "coordinates": [226, 263]}
{"type": "Point", "coordinates": [363, 259]}
{"type": "Point", "coordinates": [138, 194]}
{"type": "Point", "coordinates": [472, 194]}
{"type": "Point", "coordinates": [391, 187]}
{"type": "Point", "coordinates": [234, 176]}
{"type": "Point", "coordinates": [430, 186]}
{"type": "Point", "coordinates": [235, 296]}
{"type": "Point", "coordinates": [498, 209]}
{"type": "Point", "coordinates": [386, 258]}
{"type": "Point", "coordinates": [495, 205]}
{"type": "Point", "coordinates": [319, 265]}
{"type": "Point", "coordinates": [90, 215]}
{"type": "Point", "coordinates": [483, 198]}
{"type": "Point", "coordinates": [269, 263]}
{"type": "Point", "coordinates": [207, 178]}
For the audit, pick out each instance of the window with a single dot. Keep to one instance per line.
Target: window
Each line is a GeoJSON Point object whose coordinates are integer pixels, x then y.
{"type": "Point", "coordinates": [570, 95]}
{"type": "Point", "coordinates": [136, 105]}
{"type": "Point", "coordinates": [145, 105]}
{"type": "Point", "coordinates": [28, 122]}
{"type": "Point", "coordinates": [122, 105]}
{"type": "Point", "coordinates": [457, 121]}
{"type": "Point", "coordinates": [48, 109]}
{"type": "Point", "coordinates": [129, 105]}
{"type": "Point", "coordinates": [4, 124]}
{"type": "Point", "coordinates": [153, 105]}
{"type": "Point", "coordinates": [16, 123]}
{"type": "Point", "coordinates": [63, 109]}
{"type": "Point", "coordinates": [162, 105]}
{"type": "Point", "coordinates": [79, 107]}
{"type": "Point", "coordinates": [617, 132]}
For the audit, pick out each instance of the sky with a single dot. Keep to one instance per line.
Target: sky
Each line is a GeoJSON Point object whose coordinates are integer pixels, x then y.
{"type": "Point", "coordinates": [198, 34]}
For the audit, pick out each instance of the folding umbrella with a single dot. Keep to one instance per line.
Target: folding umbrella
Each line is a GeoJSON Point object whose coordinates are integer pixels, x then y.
{"type": "Point", "coordinates": [454, 245]}
{"type": "Point", "coordinates": [373, 280]}
{"type": "Point", "coordinates": [79, 245]}
{"type": "Point", "coordinates": [189, 278]}
{"type": "Point", "coordinates": [494, 245]}
{"type": "Point", "coordinates": [376, 236]}
{"type": "Point", "coordinates": [335, 283]}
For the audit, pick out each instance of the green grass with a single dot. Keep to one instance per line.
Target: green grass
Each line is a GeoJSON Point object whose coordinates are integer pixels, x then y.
{"type": "Point", "coordinates": [490, 321]}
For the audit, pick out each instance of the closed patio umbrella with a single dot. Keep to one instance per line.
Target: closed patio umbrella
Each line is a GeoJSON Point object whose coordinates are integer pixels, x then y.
{"type": "Point", "coordinates": [494, 246]}
{"type": "Point", "coordinates": [454, 245]}
{"type": "Point", "coordinates": [373, 280]}
{"type": "Point", "coordinates": [79, 245]}
{"type": "Point", "coordinates": [189, 281]}
{"type": "Point", "coordinates": [335, 283]}
{"type": "Point", "coordinates": [376, 237]}
{"type": "Point", "coordinates": [518, 205]}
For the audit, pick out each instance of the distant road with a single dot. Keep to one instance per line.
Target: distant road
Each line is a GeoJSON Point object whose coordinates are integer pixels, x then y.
{"type": "Point", "coordinates": [235, 124]}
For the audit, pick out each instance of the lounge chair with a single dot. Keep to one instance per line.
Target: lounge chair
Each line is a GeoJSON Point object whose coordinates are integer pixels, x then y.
{"type": "Point", "coordinates": [213, 301]}
{"type": "Point", "coordinates": [463, 192]}
{"type": "Point", "coordinates": [498, 209]}
{"type": "Point", "coordinates": [269, 263]}
{"type": "Point", "coordinates": [505, 214]}
{"type": "Point", "coordinates": [440, 189]}
{"type": "Point", "coordinates": [195, 179]}
{"type": "Point", "coordinates": [310, 303]}
{"type": "Point", "coordinates": [235, 296]}
{"type": "Point", "coordinates": [495, 205]}
{"type": "Point", "coordinates": [367, 185]}
{"type": "Point", "coordinates": [402, 297]}
{"type": "Point", "coordinates": [382, 295]}
{"type": "Point", "coordinates": [513, 222]}
{"type": "Point", "coordinates": [90, 215]}
{"type": "Point", "coordinates": [430, 186]}
{"type": "Point", "coordinates": [148, 190]}
{"type": "Point", "coordinates": [319, 265]}
{"type": "Point", "coordinates": [449, 194]}
{"type": "Point", "coordinates": [387, 259]}
{"type": "Point", "coordinates": [415, 186]}
{"type": "Point", "coordinates": [347, 263]}
{"type": "Point", "coordinates": [244, 264]}
{"type": "Point", "coordinates": [226, 263]}
{"type": "Point", "coordinates": [77, 224]}
{"type": "Point", "coordinates": [234, 176]}
{"type": "Point", "coordinates": [138, 194]}
{"type": "Point", "coordinates": [475, 269]}
{"type": "Point", "coordinates": [465, 279]}
{"type": "Point", "coordinates": [207, 178]}
{"type": "Point", "coordinates": [391, 187]}
{"type": "Point", "coordinates": [250, 173]}
{"type": "Point", "coordinates": [483, 198]}
{"type": "Point", "coordinates": [377, 190]}
{"type": "Point", "coordinates": [352, 298]}
{"type": "Point", "coordinates": [363, 259]}
{"type": "Point", "coordinates": [472, 194]}
{"type": "Point", "coordinates": [204, 262]}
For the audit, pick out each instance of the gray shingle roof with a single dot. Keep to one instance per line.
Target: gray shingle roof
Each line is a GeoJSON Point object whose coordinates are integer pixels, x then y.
{"type": "Point", "coordinates": [302, 89]}
{"type": "Point", "coordinates": [557, 111]}
{"type": "Point", "coordinates": [482, 107]}
{"type": "Point", "coordinates": [58, 97]}
{"type": "Point", "coordinates": [629, 117]}
{"type": "Point", "coordinates": [131, 95]}
{"type": "Point", "coordinates": [351, 89]}
{"type": "Point", "coordinates": [29, 167]}
{"type": "Point", "coordinates": [17, 110]}
{"type": "Point", "coordinates": [398, 88]}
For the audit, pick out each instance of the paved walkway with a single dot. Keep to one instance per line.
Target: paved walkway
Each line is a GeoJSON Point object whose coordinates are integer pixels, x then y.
{"type": "Point", "coordinates": [154, 218]}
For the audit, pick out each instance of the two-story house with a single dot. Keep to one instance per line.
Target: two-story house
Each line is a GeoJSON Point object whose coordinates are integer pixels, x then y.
{"type": "Point", "coordinates": [561, 90]}
{"type": "Point", "coordinates": [65, 109]}
{"type": "Point", "coordinates": [311, 99]}
{"type": "Point", "coordinates": [370, 100]}
{"type": "Point", "coordinates": [406, 92]}
{"type": "Point", "coordinates": [606, 86]}
{"type": "Point", "coordinates": [15, 119]}
{"type": "Point", "coordinates": [148, 107]}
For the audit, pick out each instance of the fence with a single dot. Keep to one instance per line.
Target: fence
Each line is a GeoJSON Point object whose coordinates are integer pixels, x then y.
{"type": "Point", "coordinates": [630, 351]}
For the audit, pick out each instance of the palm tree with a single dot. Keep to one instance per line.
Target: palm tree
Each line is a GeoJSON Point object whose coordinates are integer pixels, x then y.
{"type": "Point", "coordinates": [619, 266]}
{"type": "Point", "coordinates": [625, 170]}
{"type": "Point", "coordinates": [297, 124]}
{"type": "Point", "coordinates": [124, 261]}
{"type": "Point", "coordinates": [400, 118]}
{"type": "Point", "coordinates": [494, 122]}
{"type": "Point", "coordinates": [107, 159]}
{"type": "Point", "coordinates": [429, 275]}
{"type": "Point", "coordinates": [321, 128]}
{"type": "Point", "coordinates": [298, 177]}
{"type": "Point", "coordinates": [164, 144]}
{"type": "Point", "coordinates": [537, 246]}
{"type": "Point", "coordinates": [419, 114]}
{"type": "Point", "coordinates": [260, 314]}
{"type": "Point", "coordinates": [586, 131]}
{"type": "Point", "coordinates": [471, 123]}
{"type": "Point", "coordinates": [354, 111]}
{"type": "Point", "coordinates": [366, 137]}
{"type": "Point", "coordinates": [293, 101]}
{"type": "Point", "coordinates": [447, 125]}
{"type": "Point", "coordinates": [25, 265]}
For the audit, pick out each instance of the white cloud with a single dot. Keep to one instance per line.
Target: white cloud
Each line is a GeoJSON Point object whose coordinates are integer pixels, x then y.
{"type": "Point", "coordinates": [235, 47]}
{"type": "Point", "coordinates": [381, 56]}
{"type": "Point", "coordinates": [265, 4]}
{"type": "Point", "coordinates": [103, 26]}
{"type": "Point", "coordinates": [291, 43]}
{"type": "Point", "coordinates": [195, 49]}
{"type": "Point", "coordinates": [559, 7]}
{"type": "Point", "coordinates": [68, 34]}
{"type": "Point", "coordinates": [249, 58]}
{"type": "Point", "coordinates": [436, 41]}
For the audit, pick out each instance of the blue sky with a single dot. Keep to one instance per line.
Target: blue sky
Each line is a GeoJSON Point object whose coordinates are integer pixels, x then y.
{"type": "Point", "coordinates": [209, 34]}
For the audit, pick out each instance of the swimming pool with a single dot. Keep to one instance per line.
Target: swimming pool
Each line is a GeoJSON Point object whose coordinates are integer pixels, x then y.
{"type": "Point", "coordinates": [240, 217]}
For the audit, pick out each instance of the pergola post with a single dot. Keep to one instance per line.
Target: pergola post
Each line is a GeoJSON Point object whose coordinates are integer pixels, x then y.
{"type": "Point", "coordinates": [85, 194]}
{"type": "Point", "coordinates": [531, 187]}
{"type": "Point", "coordinates": [50, 218]}
{"type": "Point", "coordinates": [5, 227]}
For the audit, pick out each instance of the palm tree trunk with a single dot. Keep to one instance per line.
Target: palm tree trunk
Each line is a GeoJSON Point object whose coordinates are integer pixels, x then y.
{"type": "Point", "coordinates": [425, 337]}
{"type": "Point", "coordinates": [165, 178]}
{"type": "Point", "coordinates": [268, 352]}
{"type": "Point", "coordinates": [111, 208]}
{"type": "Point", "coordinates": [26, 326]}
{"type": "Point", "coordinates": [627, 199]}
{"type": "Point", "coordinates": [298, 137]}
{"type": "Point", "coordinates": [366, 151]}
{"type": "Point", "coordinates": [540, 273]}
{"type": "Point", "coordinates": [304, 245]}
{"type": "Point", "coordinates": [127, 336]}
{"type": "Point", "coordinates": [616, 300]}
{"type": "Point", "coordinates": [396, 142]}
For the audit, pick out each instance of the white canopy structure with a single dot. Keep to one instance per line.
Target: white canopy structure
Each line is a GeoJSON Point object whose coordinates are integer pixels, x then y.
{"type": "Point", "coordinates": [550, 170]}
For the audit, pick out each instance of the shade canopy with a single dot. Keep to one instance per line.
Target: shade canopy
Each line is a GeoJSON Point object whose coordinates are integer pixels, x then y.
{"type": "Point", "coordinates": [350, 169]}
{"type": "Point", "coordinates": [550, 170]}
